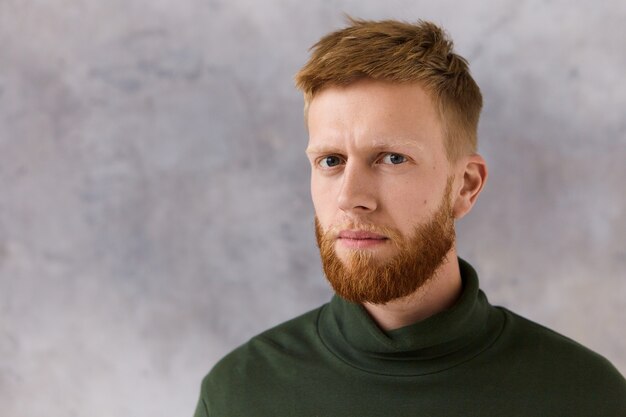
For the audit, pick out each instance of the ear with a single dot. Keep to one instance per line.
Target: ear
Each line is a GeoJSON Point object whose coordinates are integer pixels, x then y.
{"type": "Point", "coordinates": [473, 170]}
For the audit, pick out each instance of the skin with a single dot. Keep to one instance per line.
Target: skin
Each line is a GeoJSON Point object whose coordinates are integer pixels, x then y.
{"type": "Point", "coordinates": [378, 158]}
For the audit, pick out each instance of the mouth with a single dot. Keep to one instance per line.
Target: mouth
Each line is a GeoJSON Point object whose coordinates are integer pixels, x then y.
{"type": "Point", "coordinates": [357, 239]}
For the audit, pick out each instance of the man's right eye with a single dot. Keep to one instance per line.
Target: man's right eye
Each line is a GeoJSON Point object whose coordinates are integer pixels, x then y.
{"type": "Point", "coordinates": [330, 161]}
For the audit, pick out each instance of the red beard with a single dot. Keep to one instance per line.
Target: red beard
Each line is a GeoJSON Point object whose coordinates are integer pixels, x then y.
{"type": "Point", "coordinates": [365, 279]}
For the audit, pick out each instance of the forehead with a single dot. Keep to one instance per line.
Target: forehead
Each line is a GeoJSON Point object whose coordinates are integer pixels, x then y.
{"type": "Point", "coordinates": [373, 113]}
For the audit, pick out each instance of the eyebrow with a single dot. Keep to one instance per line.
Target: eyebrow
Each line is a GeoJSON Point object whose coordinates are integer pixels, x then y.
{"type": "Point", "coordinates": [375, 146]}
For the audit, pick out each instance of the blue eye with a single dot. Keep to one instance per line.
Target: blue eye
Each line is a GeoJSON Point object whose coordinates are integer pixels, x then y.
{"type": "Point", "coordinates": [393, 158]}
{"type": "Point", "coordinates": [330, 161]}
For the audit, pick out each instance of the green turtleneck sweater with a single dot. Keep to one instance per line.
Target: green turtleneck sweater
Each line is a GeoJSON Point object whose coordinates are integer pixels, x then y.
{"type": "Point", "coordinates": [471, 360]}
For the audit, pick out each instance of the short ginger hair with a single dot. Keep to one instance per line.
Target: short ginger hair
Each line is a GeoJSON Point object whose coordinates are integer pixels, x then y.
{"type": "Point", "coordinates": [400, 52]}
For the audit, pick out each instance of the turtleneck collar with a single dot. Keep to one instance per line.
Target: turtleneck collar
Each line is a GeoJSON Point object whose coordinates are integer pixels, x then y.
{"type": "Point", "coordinates": [439, 342]}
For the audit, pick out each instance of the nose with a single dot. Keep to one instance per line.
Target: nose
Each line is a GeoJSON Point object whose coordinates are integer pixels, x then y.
{"type": "Point", "coordinates": [357, 193]}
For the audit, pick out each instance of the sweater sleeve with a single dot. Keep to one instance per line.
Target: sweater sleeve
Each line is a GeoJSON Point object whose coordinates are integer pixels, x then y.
{"type": "Point", "coordinates": [202, 409]}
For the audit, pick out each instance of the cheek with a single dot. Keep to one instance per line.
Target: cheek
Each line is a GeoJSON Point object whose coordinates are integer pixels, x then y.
{"type": "Point", "coordinates": [407, 203]}
{"type": "Point", "coordinates": [321, 196]}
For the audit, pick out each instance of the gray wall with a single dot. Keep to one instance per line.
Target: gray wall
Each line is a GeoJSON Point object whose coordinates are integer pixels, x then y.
{"type": "Point", "coordinates": [154, 203]}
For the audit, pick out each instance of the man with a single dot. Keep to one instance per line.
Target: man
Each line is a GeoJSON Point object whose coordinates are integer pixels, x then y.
{"type": "Point", "coordinates": [392, 114]}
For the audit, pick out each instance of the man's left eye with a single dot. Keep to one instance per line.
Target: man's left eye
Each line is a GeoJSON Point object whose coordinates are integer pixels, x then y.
{"type": "Point", "coordinates": [393, 158]}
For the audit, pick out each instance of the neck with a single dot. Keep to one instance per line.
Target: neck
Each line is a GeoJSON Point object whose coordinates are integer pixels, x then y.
{"type": "Point", "coordinates": [436, 295]}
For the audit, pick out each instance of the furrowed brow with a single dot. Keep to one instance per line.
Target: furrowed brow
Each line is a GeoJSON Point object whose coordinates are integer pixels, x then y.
{"type": "Point", "coordinates": [382, 145]}
{"type": "Point", "coordinates": [316, 150]}
{"type": "Point", "coordinates": [375, 146]}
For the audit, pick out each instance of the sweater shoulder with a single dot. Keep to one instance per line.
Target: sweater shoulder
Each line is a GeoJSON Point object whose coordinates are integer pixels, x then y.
{"type": "Point", "coordinates": [268, 353]}
{"type": "Point", "coordinates": [529, 333]}
{"type": "Point", "coordinates": [552, 355]}
{"type": "Point", "coordinates": [291, 333]}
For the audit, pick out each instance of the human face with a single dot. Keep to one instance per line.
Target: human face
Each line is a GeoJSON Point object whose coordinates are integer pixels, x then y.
{"type": "Point", "coordinates": [379, 165]}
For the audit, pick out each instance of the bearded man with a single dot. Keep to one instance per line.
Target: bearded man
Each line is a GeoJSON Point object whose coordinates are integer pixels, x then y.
{"type": "Point", "coordinates": [392, 114]}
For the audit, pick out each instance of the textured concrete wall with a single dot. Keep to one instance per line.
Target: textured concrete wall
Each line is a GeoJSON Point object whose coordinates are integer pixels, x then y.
{"type": "Point", "coordinates": [154, 203]}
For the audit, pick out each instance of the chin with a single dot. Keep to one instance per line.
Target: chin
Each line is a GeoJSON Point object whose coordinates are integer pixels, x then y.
{"type": "Point", "coordinates": [377, 255]}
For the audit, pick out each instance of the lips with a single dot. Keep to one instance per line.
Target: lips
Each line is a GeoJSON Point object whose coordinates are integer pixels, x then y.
{"type": "Point", "coordinates": [359, 240]}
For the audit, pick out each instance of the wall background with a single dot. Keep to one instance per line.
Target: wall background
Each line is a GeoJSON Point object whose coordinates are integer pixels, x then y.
{"type": "Point", "coordinates": [154, 206]}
